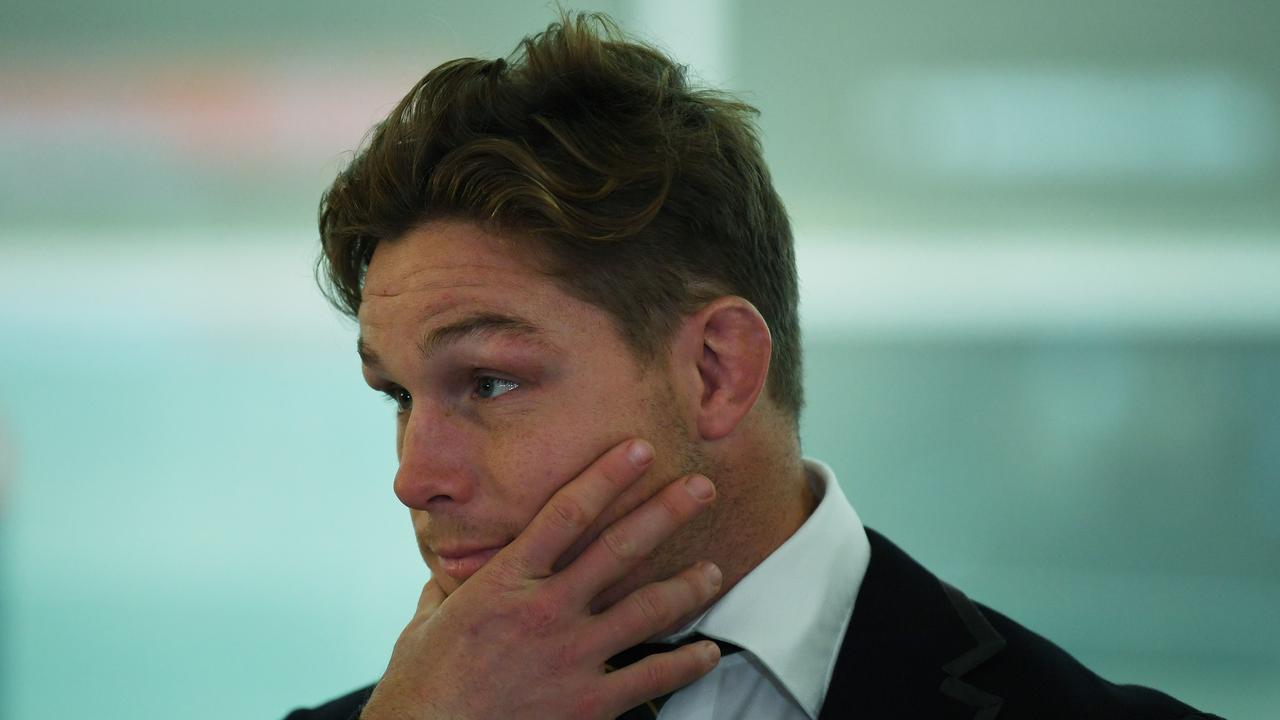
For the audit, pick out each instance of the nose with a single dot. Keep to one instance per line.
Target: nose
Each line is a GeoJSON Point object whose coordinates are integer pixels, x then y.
{"type": "Point", "coordinates": [436, 467]}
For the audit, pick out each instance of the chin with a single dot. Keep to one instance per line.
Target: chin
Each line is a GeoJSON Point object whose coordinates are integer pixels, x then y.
{"type": "Point", "coordinates": [446, 583]}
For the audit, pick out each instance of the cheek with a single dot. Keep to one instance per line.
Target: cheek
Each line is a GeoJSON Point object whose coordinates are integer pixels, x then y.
{"type": "Point", "coordinates": [531, 469]}
{"type": "Point", "coordinates": [598, 416]}
{"type": "Point", "coordinates": [538, 466]}
{"type": "Point", "coordinates": [537, 461]}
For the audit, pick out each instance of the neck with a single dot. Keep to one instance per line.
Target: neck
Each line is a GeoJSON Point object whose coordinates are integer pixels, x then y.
{"type": "Point", "coordinates": [764, 501]}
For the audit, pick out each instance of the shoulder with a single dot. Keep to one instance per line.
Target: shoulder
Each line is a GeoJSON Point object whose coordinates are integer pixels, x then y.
{"type": "Point", "coordinates": [917, 646]}
{"type": "Point", "coordinates": [346, 707]}
{"type": "Point", "coordinates": [1034, 676]}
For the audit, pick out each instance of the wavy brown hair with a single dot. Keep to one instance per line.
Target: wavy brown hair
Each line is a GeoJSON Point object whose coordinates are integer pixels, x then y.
{"type": "Point", "coordinates": [645, 195]}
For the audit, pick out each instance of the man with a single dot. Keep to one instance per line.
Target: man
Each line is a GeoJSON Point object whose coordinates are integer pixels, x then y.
{"type": "Point", "coordinates": [576, 283]}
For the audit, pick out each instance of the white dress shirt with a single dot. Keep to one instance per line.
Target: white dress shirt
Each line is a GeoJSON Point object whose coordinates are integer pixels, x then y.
{"type": "Point", "coordinates": [789, 615]}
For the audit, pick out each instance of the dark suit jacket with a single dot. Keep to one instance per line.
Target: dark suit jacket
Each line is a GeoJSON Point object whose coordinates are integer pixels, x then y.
{"type": "Point", "coordinates": [918, 648]}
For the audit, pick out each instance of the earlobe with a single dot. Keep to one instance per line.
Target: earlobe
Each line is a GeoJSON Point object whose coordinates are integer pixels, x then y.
{"type": "Point", "coordinates": [733, 364]}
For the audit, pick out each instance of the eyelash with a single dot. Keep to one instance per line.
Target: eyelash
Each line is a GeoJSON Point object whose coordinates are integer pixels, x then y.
{"type": "Point", "coordinates": [399, 397]}
{"type": "Point", "coordinates": [404, 402]}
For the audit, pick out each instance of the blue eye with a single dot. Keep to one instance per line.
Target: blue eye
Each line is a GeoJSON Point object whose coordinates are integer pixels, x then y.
{"type": "Point", "coordinates": [488, 387]}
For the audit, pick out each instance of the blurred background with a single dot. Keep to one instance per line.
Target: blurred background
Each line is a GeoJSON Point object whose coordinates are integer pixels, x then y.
{"type": "Point", "coordinates": [1040, 254]}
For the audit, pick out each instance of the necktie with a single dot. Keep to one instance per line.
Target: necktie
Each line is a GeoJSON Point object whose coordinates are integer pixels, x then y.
{"type": "Point", "coordinates": [649, 710]}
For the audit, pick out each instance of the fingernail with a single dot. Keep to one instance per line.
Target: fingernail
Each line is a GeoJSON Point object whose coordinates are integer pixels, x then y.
{"type": "Point", "coordinates": [713, 573]}
{"type": "Point", "coordinates": [699, 487]}
{"type": "Point", "coordinates": [711, 651]}
{"type": "Point", "coordinates": [640, 453]}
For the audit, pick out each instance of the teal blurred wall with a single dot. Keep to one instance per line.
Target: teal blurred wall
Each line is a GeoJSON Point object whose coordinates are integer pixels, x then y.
{"type": "Point", "coordinates": [1040, 256]}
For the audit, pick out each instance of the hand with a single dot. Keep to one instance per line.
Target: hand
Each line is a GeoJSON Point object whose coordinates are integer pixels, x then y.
{"type": "Point", "coordinates": [518, 640]}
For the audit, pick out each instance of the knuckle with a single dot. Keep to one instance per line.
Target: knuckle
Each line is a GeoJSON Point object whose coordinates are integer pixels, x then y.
{"type": "Point", "coordinates": [560, 659]}
{"type": "Point", "coordinates": [505, 573]}
{"type": "Point", "coordinates": [538, 614]}
{"type": "Point", "coordinates": [671, 504]}
{"type": "Point", "coordinates": [568, 514]}
{"type": "Point", "coordinates": [658, 674]}
{"type": "Point", "coordinates": [511, 570]}
{"type": "Point", "coordinates": [651, 604]}
{"type": "Point", "coordinates": [618, 543]}
{"type": "Point", "coordinates": [586, 706]}
{"type": "Point", "coordinates": [616, 475]}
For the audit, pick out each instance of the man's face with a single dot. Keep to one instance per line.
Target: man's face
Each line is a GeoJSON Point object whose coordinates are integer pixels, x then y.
{"type": "Point", "coordinates": [506, 388]}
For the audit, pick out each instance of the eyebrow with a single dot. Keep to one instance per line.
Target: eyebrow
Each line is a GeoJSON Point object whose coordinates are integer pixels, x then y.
{"type": "Point", "coordinates": [474, 326]}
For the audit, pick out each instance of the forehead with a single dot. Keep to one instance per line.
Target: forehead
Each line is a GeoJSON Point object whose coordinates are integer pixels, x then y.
{"type": "Point", "coordinates": [443, 254]}
{"type": "Point", "coordinates": [447, 268]}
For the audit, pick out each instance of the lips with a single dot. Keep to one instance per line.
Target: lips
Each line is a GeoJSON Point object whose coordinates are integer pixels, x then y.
{"type": "Point", "coordinates": [461, 564]}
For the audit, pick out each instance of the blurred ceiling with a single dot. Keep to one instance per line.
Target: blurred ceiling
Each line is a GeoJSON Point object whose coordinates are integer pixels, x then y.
{"type": "Point", "coordinates": [1001, 116]}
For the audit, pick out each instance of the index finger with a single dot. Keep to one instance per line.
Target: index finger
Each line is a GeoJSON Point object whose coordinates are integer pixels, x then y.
{"type": "Point", "coordinates": [430, 597]}
{"type": "Point", "coordinates": [573, 508]}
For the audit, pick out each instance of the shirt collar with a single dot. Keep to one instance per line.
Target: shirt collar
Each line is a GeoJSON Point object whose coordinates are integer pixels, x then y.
{"type": "Point", "coordinates": [791, 611]}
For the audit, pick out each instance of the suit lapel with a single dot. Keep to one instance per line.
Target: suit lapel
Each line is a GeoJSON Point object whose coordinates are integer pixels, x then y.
{"type": "Point", "coordinates": [987, 643]}
{"type": "Point", "coordinates": [911, 641]}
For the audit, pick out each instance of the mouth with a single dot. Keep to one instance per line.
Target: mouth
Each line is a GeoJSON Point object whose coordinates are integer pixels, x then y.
{"type": "Point", "coordinates": [462, 563]}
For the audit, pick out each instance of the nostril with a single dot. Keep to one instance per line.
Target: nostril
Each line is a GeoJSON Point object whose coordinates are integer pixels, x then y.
{"type": "Point", "coordinates": [426, 480]}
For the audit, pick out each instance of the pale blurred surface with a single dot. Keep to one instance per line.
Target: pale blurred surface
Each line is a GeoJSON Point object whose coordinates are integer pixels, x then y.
{"type": "Point", "coordinates": [1040, 252]}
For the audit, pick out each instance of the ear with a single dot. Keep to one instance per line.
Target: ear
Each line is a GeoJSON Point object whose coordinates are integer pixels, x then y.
{"type": "Point", "coordinates": [724, 350]}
